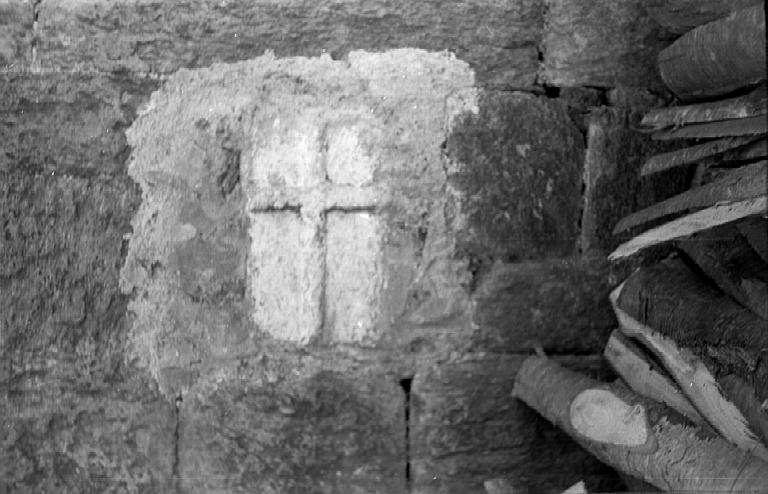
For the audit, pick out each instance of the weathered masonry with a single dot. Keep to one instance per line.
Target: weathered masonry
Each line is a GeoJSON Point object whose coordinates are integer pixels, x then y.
{"type": "Point", "coordinates": [306, 246]}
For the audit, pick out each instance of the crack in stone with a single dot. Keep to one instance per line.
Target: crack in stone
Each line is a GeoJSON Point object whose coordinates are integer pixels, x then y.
{"type": "Point", "coordinates": [405, 384]}
{"type": "Point", "coordinates": [176, 436]}
{"type": "Point", "coordinates": [35, 29]}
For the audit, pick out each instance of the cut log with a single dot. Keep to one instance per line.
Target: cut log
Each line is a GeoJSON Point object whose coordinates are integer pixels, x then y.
{"type": "Point", "coordinates": [750, 126]}
{"type": "Point", "coordinates": [727, 259]}
{"type": "Point", "coordinates": [680, 16]}
{"type": "Point", "coordinates": [755, 230]}
{"type": "Point", "coordinates": [743, 396]}
{"type": "Point", "coordinates": [577, 488]}
{"type": "Point", "coordinates": [636, 485]}
{"type": "Point", "coordinates": [718, 57]}
{"type": "Point", "coordinates": [750, 105]}
{"type": "Point", "coordinates": [692, 223]}
{"type": "Point", "coordinates": [635, 435]}
{"type": "Point", "coordinates": [696, 381]}
{"type": "Point", "coordinates": [754, 150]}
{"type": "Point", "coordinates": [644, 377]}
{"type": "Point", "coordinates": [742, 183]}
{"type": "Point", "coordinates": [670, 298]}
{"type": "Point", "coordinates": [684, 156]}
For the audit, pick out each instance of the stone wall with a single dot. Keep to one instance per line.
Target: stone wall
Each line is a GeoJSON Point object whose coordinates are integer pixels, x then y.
{"type": "Point", "coordinates": [307, 274]}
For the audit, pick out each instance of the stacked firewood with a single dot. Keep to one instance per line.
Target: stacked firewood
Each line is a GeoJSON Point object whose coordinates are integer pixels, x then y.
{"type": "Point", "coordinates": [690, 410]}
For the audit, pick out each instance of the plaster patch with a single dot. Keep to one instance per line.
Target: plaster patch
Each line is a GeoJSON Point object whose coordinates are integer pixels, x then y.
{"type": "Point", "coordinates": [333, 212]}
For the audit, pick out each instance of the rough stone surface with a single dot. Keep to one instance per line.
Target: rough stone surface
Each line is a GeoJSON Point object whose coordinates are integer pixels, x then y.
{"type": "Point", "coordinates": [601, 43]}
{"type": "Point", "coordinates": [67, 123]}
{"type": "Point", "coordinates": [61, 248]}
{"type": "Point", "coordinates": [300, 199]}
{"type": "Point", "coordinates": [499, 39]}
{"type": "Point", "coordinates": [516, 167]}
{"type": "Point", "coordinates": [60, 437]}
{"type": "Point", "coordinates": [16, 19]}
{"type": "Point", "coordinates": [561, 305]}
{"type": "Point", "coordinates": [613, 187]}
{"type": "Point", "coordinates": [467, 428]}
{"type": "Point", "coordinates": [293, 425]}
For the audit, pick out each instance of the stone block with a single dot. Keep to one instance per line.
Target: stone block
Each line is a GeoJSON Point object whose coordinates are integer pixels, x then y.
{"type": "Point", "coordinates": [466, 428]}
{"type": "Point", "coordinates": [287, 285]}
{"type": "Point", "coordinates": [561, 305]}
{"type": "Point", "coordinates": [67, 123]}
{"type": "Point", "coordinates": [499, 40]}
{"type": "Point", "coordinates": [516, 166]}
{"type": "Point", "coordinates": [16, 20]}
{"type": "Point", "coordinates": [293, 426]}
{"type": "Point", "coordinates": [603, 43]}
{"type": "Point", "coordinates": [352, 260]}
{"type": "Point", "coordinates": [322, 185]}
{"type": "Point", "coordinates": [613, 187]}
{"type": "Point", "coordinates": [61, 248]}
{"type": "Point", "coordinates": [58, 438]}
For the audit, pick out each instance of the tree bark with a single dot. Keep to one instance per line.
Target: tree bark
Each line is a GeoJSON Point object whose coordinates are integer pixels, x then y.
{"type": "Point", "coordinates": [718, 57]}
{"type": "Point", "coordinates": [661, 448]}
{"type": "Point", "coordinates": [719, 214]}
{"type": "Point", "coordinates": [750, 105]}
{"type": "Point", "coordinates": [673, 300]}
{"type": "Point", "coordinates": [644, 377]}
{"type": "Point", "coordinates": [727, 259]}
{"type": "Point", "coordinates": [749, 126]}
{"type": "Point", "coordinates": [697, 382]}
{"type": "Point", "coordinates": [755, 230]}
{"type": "Point", "coordinates": [692, 154]}
{"type": "Point", "coordinates": [680, 16]}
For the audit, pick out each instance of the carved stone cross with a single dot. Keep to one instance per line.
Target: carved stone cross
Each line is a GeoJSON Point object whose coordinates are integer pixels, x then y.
{"type": "Point", "coordinates": [314, 267]}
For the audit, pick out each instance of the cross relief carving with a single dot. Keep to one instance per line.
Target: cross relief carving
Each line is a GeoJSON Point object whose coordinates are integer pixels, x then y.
{"type": "Point", "coordinates": [314, 264]}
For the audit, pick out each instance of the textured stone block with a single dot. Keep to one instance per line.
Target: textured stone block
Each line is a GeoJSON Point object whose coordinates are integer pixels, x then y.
{"type": "Point", "coordinates": [353, 262]}
{"type": "Point", "coordinates": [467, 428]}
{"type": "Point", "coordinates": [16, 20]}
{"type": "Point", "coordinates": [302, 428]}
{"type": "Point", "coordinates": [613, 187]}
{"type": "Point", "coordinates": [560, 304]}
{"type": "Point", "coordinates": [498, 39]}
{"type": "Point", "coordinates": [67, 123]}
{"type": "Point", "coordinates": [287, 279]}
{"type": "Point", "coordinates": [61, 248]}
{"type": "Point", "coordinates": [516, 164]}
{"type": "Point", "coordinates": [603, 43]}
{"type": "Point", "coordinates": [58, 438]}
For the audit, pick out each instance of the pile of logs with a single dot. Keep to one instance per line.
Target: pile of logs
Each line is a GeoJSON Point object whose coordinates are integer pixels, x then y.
{"type": "Point", "coordinates": [690, 410]}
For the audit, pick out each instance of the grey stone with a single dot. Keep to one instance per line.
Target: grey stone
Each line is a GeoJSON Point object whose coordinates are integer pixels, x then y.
{"type": "Point", "coordinates": [613, 187]}
{"type": "Point", "coordinates": [499, 40]}
{"type": "Point", "coordinates": [56, 437]}
{"type": "Point", "coordinates": [67, 123]}
{"type": "Point", "coordinates": [293, 426]}
{"type": "Point", "coordinates": [561, 305]}
{"type": "Point", "coordinates": [516, 164]}
{"type": "Point", "coordinates": [16, 20]}
{"type": "Point", "coordinates": [61, 249]}
{"type": "Point", "coordinates": [602, 43]}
